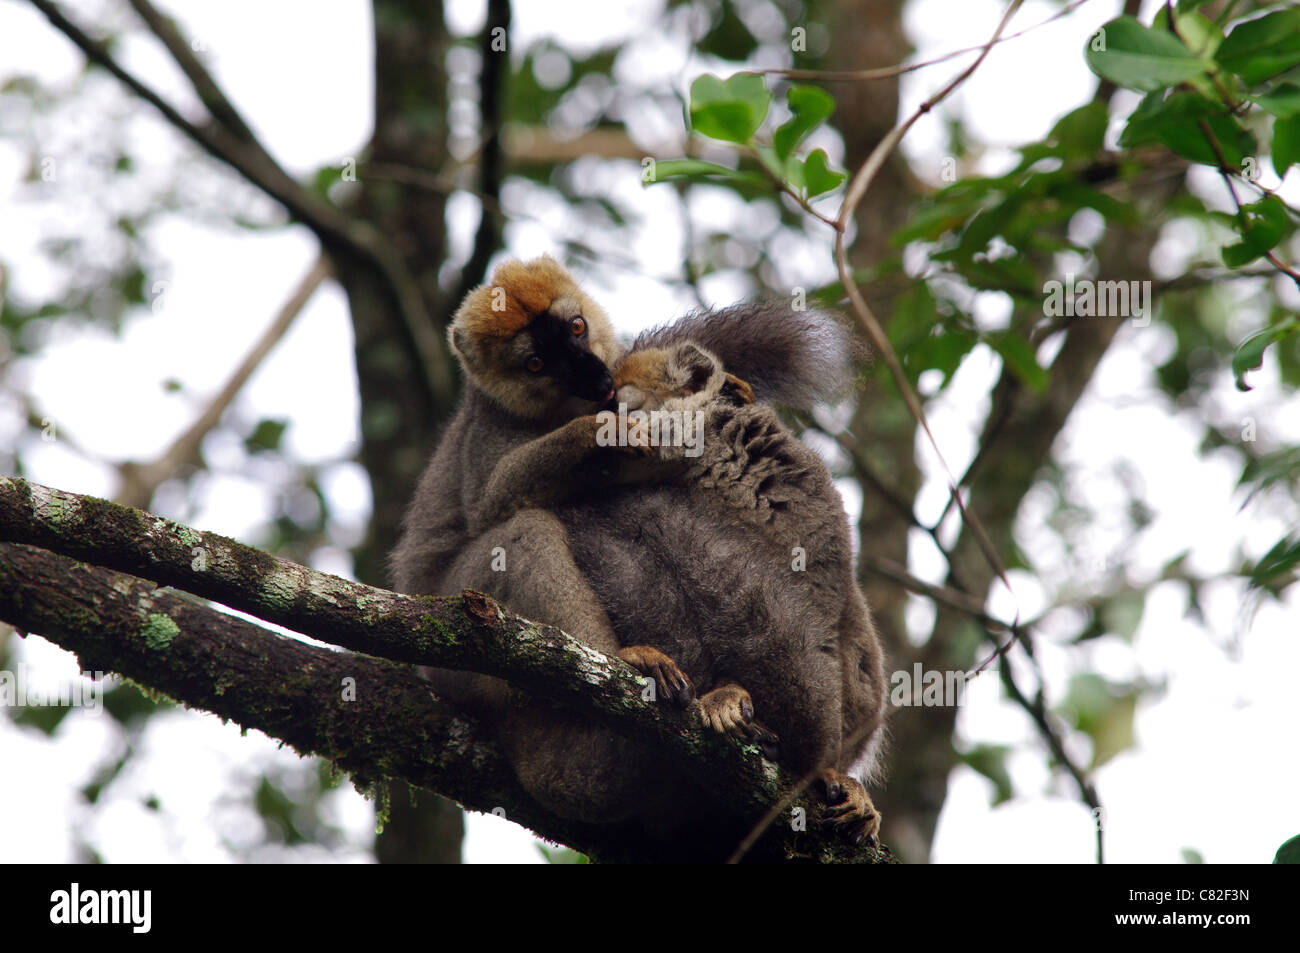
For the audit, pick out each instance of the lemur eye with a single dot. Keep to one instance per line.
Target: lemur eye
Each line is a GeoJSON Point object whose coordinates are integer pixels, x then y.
{"type": "Point", "coordinates": [578, 326]}
{"type": "Point", "coordinates": [535, 364]}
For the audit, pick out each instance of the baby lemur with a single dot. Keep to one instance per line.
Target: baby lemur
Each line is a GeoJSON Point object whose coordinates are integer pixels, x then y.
{"type": "Point", "coordinates": [488, 515]}
{"type": "Point", "coordinates": [743, 555]}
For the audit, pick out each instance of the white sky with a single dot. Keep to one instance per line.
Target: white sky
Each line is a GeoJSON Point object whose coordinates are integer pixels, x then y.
{"type": "Point", "coordinates": [1222, 733]}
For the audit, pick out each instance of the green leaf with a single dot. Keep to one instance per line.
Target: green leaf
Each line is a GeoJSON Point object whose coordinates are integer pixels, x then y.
{"type": "Point", "coordinates": [1289, 853]}
{"type": "Point", "coordinates": [1175, 122]}
{"type": "Point", "coordinates": [1198, 32]}
{"type": "Point", "coordinates": [326, 177]}
{"type": "Point", "coordinates": [1075, 195]}
{"type": "Point", "coordinates": [1104, 711]}
{"type": "Point", "coordinates": [915, 313]}
{"type": "Point", "coordinates": [44, 718]}
{"type": "Point", "coordinates": [937, 348]}
{"type": "Point", "coordinates": [1249, 355]}
{"type": "Point", "coordinates": [991, 761]}
{"type": "Point", "coordinates": [662, 169]}
{"type": "Point", "coordinates": [1019, 358]}
{"type": "Point", "coordinates": [818, 177]}
{"type": "Point", "coordinates": [1286, 144]}
{"type": "Point", "coordinates": [1277, 562]}
{"type": "Point", "coordinates": [729, 38]}
{"type": "Point", "coordinates": [1122, 614]}
{"type": "Point", "coordinates": [1132, 55]}
{"type": "Point", "coordinates": [731, 109]}
{"type": "Point", "coordinates": [1267, 222]}
{"type": "Point", "coordinates": [561, 855]}
{"type": "Point", "coordinates": [1258, 49]}
{"type": "Point", "coordinates": [810, 107]}
{"type": "Point", "coordinates": [128, 704]}
{"type": "Point", "coordinates": [929, 223]}
{"type": "Point", "coordinates": [767, 158]}
{"type": "Point", "coordinates": [266, 436]}
{"type": "Point", "coordinates": [1282, 100]}
{"type": "Point", "coordinates": [1082, 132]}
{"type": "Point", "coordinates": [1270, 469]}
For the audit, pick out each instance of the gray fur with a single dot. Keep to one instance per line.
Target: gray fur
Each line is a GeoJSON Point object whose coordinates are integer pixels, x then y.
{"type": "Point", "coordinates": [698, 567]}
{"type": "Point", "coordinates": [793, 358]}
{"type": "Point", "coordinates": [702, 569]}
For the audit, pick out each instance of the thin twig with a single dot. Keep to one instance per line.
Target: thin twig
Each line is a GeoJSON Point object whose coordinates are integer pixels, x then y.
{"type": "Point", "coordinates": [210, 94]}
{"type": "Point", "coordinates": [139, 481]}
{"type": "Point", "coordinates": [857, 189]}
{"type": "Point", "coordinates": [886, 72]}
{"type": "Point", "coordinates": [336, 231]}
{"type": "Point", "coordinates": [1037, 710]}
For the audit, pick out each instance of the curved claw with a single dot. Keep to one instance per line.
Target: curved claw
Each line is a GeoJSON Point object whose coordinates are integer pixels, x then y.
{"type": "Point", "coordinates": [729, 709]}
{"type": "Point", "coordinates": [670, 680]}
{"type": "Point", "coordinates": [848, 808]}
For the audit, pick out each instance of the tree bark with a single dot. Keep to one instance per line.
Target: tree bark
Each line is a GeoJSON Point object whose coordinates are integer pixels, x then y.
{"type": "Point", "coordinates": [117, 622]}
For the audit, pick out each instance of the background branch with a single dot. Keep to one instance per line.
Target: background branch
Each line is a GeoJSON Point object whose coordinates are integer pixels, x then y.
{"type": "Point", "coordinates": [338, 232]}
{"type": "Point", "coordinates": [141, 480]}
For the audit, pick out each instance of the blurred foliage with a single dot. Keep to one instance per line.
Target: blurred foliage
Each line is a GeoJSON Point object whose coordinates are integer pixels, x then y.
{"type": "Point", "coordinates": [1289, 853]}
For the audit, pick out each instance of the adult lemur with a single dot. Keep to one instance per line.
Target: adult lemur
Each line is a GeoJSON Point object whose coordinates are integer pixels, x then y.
{"type": "Point", "coordinates": [530, 343]}
{"type": "Point", "coordinates": [536, 351]}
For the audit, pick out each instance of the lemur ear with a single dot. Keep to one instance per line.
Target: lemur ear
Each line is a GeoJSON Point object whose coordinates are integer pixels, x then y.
{"type": "Point", "coordinates": [697, 365]}
{"type": "Point", "coordinates": [462, 346]}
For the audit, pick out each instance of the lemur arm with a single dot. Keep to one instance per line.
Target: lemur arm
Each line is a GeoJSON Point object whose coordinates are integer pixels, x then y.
{"type": "Point", "coordinates": [542, 473]}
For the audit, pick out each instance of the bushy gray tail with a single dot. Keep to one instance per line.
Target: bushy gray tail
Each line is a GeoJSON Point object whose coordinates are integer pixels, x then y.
{"type": "Point", "coordinates": [795, 358]}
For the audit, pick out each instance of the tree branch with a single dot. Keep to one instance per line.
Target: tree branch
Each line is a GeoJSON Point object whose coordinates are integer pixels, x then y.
{"type": "Point", "coordinates": [468, 632]}
{"type": "Point", "coordinates": [141, 480]}
{"type": "Point", "coordinates": [493, 79]}
{"type": "Point", "coordinates": [336, 231]}
{"type": "Point", "coordinates": [209, 93]}
{"type": "Point", "coordinates": [260, 679]}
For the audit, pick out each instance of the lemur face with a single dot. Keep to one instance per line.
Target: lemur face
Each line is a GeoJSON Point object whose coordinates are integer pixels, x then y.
{"type": "Point", "coordinates": [557, 345]}
{"type": "Point", "coordinates": [684, 377]}
{"type": "Point", "coordinates": [534, 343]}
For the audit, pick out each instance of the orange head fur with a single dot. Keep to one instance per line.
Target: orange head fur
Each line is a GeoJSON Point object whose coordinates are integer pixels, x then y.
{"type": "Point", "coordinates": [491, 333]}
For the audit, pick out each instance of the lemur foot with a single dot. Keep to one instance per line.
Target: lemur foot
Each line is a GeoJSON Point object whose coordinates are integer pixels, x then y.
{"type": "Point", "coordinates": [848, 808]}
{"type": "Point", "coordinates": [671, 681]}
{"type": "Point", "coordinates": [729, 710]}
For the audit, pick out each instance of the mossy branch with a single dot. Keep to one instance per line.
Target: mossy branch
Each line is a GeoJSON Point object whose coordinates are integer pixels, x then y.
{"type": "Point", "coordinates": [383, 724]}
{"type": "Point", "coordinates": [469, 632]}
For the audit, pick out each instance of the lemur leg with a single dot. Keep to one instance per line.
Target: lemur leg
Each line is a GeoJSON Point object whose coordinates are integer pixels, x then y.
{"type": "Point", "coordinates": [575, 768]}
{"type": "Point", "coordinates": [849, 806]}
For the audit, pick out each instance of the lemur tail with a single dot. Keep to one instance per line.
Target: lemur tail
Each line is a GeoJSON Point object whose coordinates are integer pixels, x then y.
{"type": "Point", "coordinates": [795, 358]}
